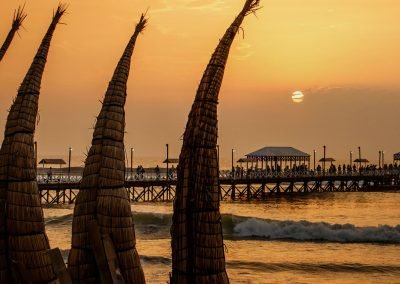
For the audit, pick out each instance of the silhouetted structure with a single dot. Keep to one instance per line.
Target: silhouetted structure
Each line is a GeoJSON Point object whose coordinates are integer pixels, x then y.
{"type": "Point", "coordinates": [396, 157]}
{"type": "Point", "coordinates": [197, 239]}
{"type": "Point", "coordinates": [23, 241]}
{"type": "Point", "coordinates": [102, 197]}
{"type": "Point", "coordinates": [277, 155]}
{"type": "Point", "coordinates": [19, 17]}
{"type": "Point", "coordinates": [52, 162]}
{"type": "Point", "coordinates": [327, 160]}
{"type": "Point", "coordinates": [361, 161]}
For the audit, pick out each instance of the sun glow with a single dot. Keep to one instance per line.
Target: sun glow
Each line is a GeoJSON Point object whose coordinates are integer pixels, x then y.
{"type": "Point", "coordinates": [297, 97]}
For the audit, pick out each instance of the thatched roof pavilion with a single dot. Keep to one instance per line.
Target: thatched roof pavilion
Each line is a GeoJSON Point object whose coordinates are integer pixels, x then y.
{"type": "Point", "coordinates": [361, 161]}
{"type": "Point", "coordinates": [103, 197]}
{"type": "Point", "coordinates": [23, 241]}
{"type": "Point", "coordinates": [52, 162]}
{"type": "Point", "coordinates": [278, 155]}
{"type": "Point", "coordinates": [331, 160]}
{"type": "Point", "coordinates": [197, 238]}
{"type": "Point", "coordinates": [19, 17]}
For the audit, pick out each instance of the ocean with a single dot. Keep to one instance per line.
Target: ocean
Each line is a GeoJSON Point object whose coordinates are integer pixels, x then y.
{"type": "Point", "coordinates": [313, 238]}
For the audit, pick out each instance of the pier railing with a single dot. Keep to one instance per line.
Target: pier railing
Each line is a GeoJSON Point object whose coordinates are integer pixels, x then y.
{"type": "Point", "coordinates": [225, 174]}
{"type": "Point", "coordinates": [255, 185]}
{"type": "Point", "coordinates": [273, 174]}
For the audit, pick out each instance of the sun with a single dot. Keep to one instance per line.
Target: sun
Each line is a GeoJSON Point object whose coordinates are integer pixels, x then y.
{"type": "Point", "coordinates": [297, 97]}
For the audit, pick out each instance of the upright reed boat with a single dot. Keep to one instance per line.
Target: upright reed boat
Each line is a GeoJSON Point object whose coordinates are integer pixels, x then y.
{"type": "Point", "coordinates": [23, 240]}
{"type": "Point", "coordinates": [103, 199]}
{"type": "Point", "coordinates": [197, 239]}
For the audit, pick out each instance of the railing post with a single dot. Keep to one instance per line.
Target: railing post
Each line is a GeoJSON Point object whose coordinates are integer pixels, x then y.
{"type": "Point", "coordinates": [233, 192]}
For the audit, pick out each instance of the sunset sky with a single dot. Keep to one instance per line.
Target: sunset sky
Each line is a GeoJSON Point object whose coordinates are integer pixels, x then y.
{"type": "Point", "coordinates": [343, 54]}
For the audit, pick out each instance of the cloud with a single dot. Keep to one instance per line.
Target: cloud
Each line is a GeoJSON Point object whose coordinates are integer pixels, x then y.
{"type": "Point", "coordinates": [353, 91]}
{"type": "Point", "coordinates": [243, 51]}
{"type": "Point", "coordinates": [199, 5]}
{"type": "Point", "coordinates": [243, 46]}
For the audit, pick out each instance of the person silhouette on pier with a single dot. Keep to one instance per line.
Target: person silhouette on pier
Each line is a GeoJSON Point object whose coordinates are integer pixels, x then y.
{"type": "Point", "coordinates": [49, 174]}
{"type": "Point", "coordinates": [157, 171]}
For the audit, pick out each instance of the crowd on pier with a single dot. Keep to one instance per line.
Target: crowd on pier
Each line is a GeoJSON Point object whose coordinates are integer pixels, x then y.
{"type": "Point", "coordinates": [157, 173]}
{"type": "Point", "coordinates": [303, 169]}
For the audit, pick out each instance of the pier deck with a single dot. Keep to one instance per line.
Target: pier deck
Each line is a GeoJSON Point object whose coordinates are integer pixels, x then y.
{"type": "Point", "coordinates": [255, 187]}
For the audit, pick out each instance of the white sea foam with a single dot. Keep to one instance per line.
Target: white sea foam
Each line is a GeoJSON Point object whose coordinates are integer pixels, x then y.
{"type": "Point", "coordinates": [308, 231]}
{"type": "Point", "coordinates": [157, 225]}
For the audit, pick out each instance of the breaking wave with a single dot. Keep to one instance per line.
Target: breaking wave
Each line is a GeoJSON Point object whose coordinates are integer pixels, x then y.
{"type": "Point", "coordinates": [308, 231]}
{"type": "Point", "coordinates": [157, 225]}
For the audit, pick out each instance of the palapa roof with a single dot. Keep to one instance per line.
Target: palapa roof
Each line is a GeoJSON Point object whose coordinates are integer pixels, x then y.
{"type": "Point", "coordinates": [103, 199]}
{"type": "Point", "coordinates": [171, 161]}
{"type": "Point", "coordinates": [19, 17]}
{"type": "Point", "coordinates": [196, 233]}
{"type": "Point", "coordinates": [277, 152]}
{"type": "Point", "coordinates": [327, 160]}
{"type": "Point", "coordinates": [363, 160]}
{"type": "Point", "coordinates": [22, 231]}
{"type": "Point", "coordinates": [52, 162]}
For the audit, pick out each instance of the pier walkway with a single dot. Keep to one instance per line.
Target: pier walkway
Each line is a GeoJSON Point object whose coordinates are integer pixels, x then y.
{"type": "Point", "coordinates": [62, 189]}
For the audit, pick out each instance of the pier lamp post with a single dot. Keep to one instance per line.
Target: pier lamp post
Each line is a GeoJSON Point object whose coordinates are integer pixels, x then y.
{"type": "Point", "coordinates": [315, 152]}
{"type": "Point", "coordinates": [383, 159]}
{"type": "Point", "coordinates": [324, 158]}
{"type": "Point", "coordinates": [351, 158]}
{"type": "Point", "coordinates": [132, 163]}
{"type": "Point", "coordinates": [379, 164]}
{"type": "Point", "coordinates": [69, 162]}
{"type": "Point", "coordinates": [359, 157]}
{"type": "Point", "coordinates": [233, 169]}
{"type": "Point", "coordinates": [167, 146]}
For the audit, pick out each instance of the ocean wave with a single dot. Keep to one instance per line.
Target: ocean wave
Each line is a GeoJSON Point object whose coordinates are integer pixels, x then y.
{"type": "Point", "coordinates": [157, 225]}
{"type": "Point", "coordinates": [319, 231]}
{"type": "Point", "coordinates": [280, 266]}
{"type": "Point", "coordinates": [314, 267]}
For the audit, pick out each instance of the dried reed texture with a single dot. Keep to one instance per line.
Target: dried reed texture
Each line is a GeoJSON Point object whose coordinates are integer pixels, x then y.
{"type": "Point", "coordinates": [22, 232]}
{"type": "Point", "coordinates": [103, 196]}
{"type": "Point", "coordinates": [197, 239]}
{"type": "Point", "coordinates": [19, 17]}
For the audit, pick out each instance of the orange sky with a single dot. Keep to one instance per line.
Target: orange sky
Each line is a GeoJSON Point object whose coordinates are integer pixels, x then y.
{"type": "Point", "coordinates": [342, 54]}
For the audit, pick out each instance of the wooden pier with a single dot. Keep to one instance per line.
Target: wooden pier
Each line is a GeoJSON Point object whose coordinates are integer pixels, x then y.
{"type": "Point", "coordinates": [258, 187]}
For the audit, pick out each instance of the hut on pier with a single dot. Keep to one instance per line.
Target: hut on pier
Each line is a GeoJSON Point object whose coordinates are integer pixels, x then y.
{"type": "Point", "coordinates": [102, 224]}
{"type": "Point", "coordinates": [327, 160]}
{"type": "Point", "coordinates": [19, 17]}
{"type": "Point", "coordinates": [396, 157]}
{"type": "Point", "coordinates": [281, 156]}
{"type": "Point", "coordinates": [51, 162]}
{"type": "Point", "coordinates": [197, 239]}
{"type": "Point", "coordinates": [23, 240]}
{"type": "Point", "coordinates": [247, 161]}
{"type": "Point", "coordinates": [171, 161]}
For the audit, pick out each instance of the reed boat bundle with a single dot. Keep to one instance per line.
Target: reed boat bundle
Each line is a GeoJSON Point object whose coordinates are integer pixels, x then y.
{"type": "Point", "coordinates": [102, 196]}
{"type": "Point", "coordinates": [19, 17]}
{"type": "Point", "coordinates": [23, 240]}
{"type": "Point", "coordinates": [197, 238]}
